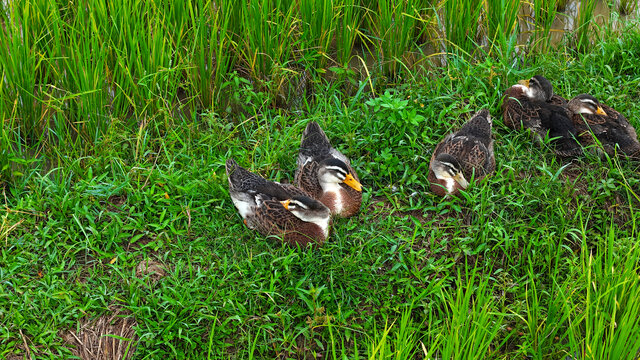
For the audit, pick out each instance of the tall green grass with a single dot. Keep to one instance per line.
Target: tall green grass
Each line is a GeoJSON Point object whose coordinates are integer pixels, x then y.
{"type": "Point", "coordinates": [74, 70]}
{"type": "Point", "coordinates": [545, 13]}
{"type": "Point", "coordinates": [318, 27]}
{"type": "Point", "coordinates": [501, 23]}
{"type": "Point", "coordinates": [462, 324]}
{"type": "Point", "coordinates": [583, 28]}
{"type": "Point", "coordinates": [401, 339]}
{"type": "Point", "coordinates": [267, 41]}
{"type": "Point", "coordinates": [607, 326]}
{"type": "Point", "coordinates": [209, 53]}
{"type": "Point", "coordinates": [28, 44]}
{"type": "Point", "coordinates": [472, 322]}
{"type": "Point", "coordinates": [590, 313]}
{"type": "Point", "coordinates": [349, 17]}
{"type": "Point", "coordinates": [545, 322]}
{"type": "Point", "coordinates": [461, 22]}
{"type": "Point", "coordinates": [395, 26]}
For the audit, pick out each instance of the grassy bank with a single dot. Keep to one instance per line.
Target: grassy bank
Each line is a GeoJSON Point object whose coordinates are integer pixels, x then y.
{"type": "Point", "coordinates": [131, 217]}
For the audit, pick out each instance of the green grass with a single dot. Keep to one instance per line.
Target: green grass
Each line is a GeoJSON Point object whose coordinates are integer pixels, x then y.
{"type": "Point", "coordinates": [583, 29]}
{"type": "Point", "coordinates": [459, 18]}
{"type": "Point", "coordinates": [113, 157]}
{"type": "Point", "coordinates": [545, 12]}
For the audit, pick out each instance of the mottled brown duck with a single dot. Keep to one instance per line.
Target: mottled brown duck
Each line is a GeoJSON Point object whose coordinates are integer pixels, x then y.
{"type": "Point", "coordinates": [601, 127]}
{"type": "Point", "coordinates": [463, 155]}
{"type": "Point", "coordinates": [282, 210]}
{"type": "Point", "coordinates": [326, 174]}
{"type": "Point", "coordinates": [531, 104]}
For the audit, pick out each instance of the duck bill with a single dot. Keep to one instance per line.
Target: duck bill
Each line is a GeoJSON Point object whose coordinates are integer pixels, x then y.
{"type": "Point", "coordinates": [459, 178]}
{"type": "Point", "coordinates": [600, 111]}
{"type": "Point", "coordinates": [352, 182]}
{"type": "Point", "coordinates": [285, 204]}
{"type": "Point", "coordinates": [524, 82]}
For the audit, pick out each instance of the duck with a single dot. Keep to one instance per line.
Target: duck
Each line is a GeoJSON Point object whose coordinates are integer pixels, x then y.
{"type": "Point", "coordinates": [598, 123]}
{"type": "Point", "coordinates": [531, 104]}
{"type": "Point", "coordinates": [277, 209]}
{"type": "Point", "coordinates": [326, 174]}
{"type": "Point", "coordinates": [463, 155]}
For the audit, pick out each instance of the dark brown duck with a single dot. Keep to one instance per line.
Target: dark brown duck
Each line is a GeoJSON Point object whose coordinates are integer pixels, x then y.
{"type": "Point", "coordinates": [463, 155]}
{"type": "Point", "coordinates": [272, 208]}
{"type": "Point", "coordinates": [531, 104]}
{"type": "Point", "coordinates": [597, 123]}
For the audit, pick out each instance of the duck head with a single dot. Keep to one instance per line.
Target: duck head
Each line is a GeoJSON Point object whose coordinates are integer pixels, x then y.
{"type": "Point", "coordinates": [447, 169]}
{"type": "Point", "coordinates": [333, 172]}
{"type": "Point", "coordinates": [537, 88]}
{"type": "Point", "coordinates": [585, 104]}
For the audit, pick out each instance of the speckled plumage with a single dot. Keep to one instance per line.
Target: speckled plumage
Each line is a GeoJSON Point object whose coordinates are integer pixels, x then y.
{"type": "Point", "coordinates": [315, 157]}
{"type": "Point", "coordinates": [259, 203]}
{"type": "Point", "coordinates": [470, 150]}
{"type": "Point", "coordinates": [613, 131]}
{"type": "Point", "coordinates": [536, 108]}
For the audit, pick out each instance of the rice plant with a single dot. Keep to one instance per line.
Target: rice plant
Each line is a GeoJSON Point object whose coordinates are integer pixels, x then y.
{"type": "Point", "coordinates": [349, 17]}
{"type": "Point", "coordinates": [461, 22]}
{"type": "Point", "coordinates": [501, 23]}
{"type": "Point", "coordinates": [85, 102]}
{"type": "Point", "coordinates": [268, 38]}
{"type": "Point", "coordinates": [209, 53]}
{"type": "Point", "coordinates": [471, 323]}
{"type": "Point", "coordinates": [27, 41]}
{"type": "Point", "coordinates": [144, 69]}
{"type": "Point", "coordinates": [582, 25]}
{"type": "Point", "coordinates": [546, 318]}
{"type": "Point", "coordinates": [137, 53]}
{"type": "Point", "coordinates": [401, 339]}
{"type": "Point", "coordinates": [395, 28]}
{"type": "Point", "coordinates": [544, 14]}
{"type": "Point", "coordinates": [318, 27]}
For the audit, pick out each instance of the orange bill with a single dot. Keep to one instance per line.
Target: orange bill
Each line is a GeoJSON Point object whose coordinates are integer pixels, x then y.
{"type": "Point", "coordinates": [285, 204]}
{"type": "Point", "coordinates": [351, 181]}
{"type": "Point", "coordinates": [601, 111]}
{"type": "Point", "coordinates": [524, 82]}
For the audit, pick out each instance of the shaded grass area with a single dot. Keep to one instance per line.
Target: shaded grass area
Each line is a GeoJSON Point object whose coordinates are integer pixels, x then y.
{"type": "Point", "coordinates": [540, 260]}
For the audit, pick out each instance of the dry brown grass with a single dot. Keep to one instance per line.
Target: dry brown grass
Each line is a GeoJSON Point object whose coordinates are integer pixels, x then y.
{"type": "Point", "coordinates": [109, 337]}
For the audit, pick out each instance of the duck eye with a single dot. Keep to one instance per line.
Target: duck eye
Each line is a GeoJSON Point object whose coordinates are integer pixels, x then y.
{"type": "Point", "coordinates": [297, 205]}
{"type": "Point", "coordinates": [340, 175]}
{"type": "Point", "coordinates": [337, 171]}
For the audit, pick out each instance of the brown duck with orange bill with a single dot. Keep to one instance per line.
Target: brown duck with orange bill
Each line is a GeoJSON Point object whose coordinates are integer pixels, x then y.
{"type": "Point", "coordinates": [277, 209]}
{"type": "Point", "coordinates": [531, 104]}
{"type": "Point", "coordinates": [463, 155]}
{"type": "Point", "coordinates": [597, 123]}
{"type": "Point", "coordinates": [326, 174]}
